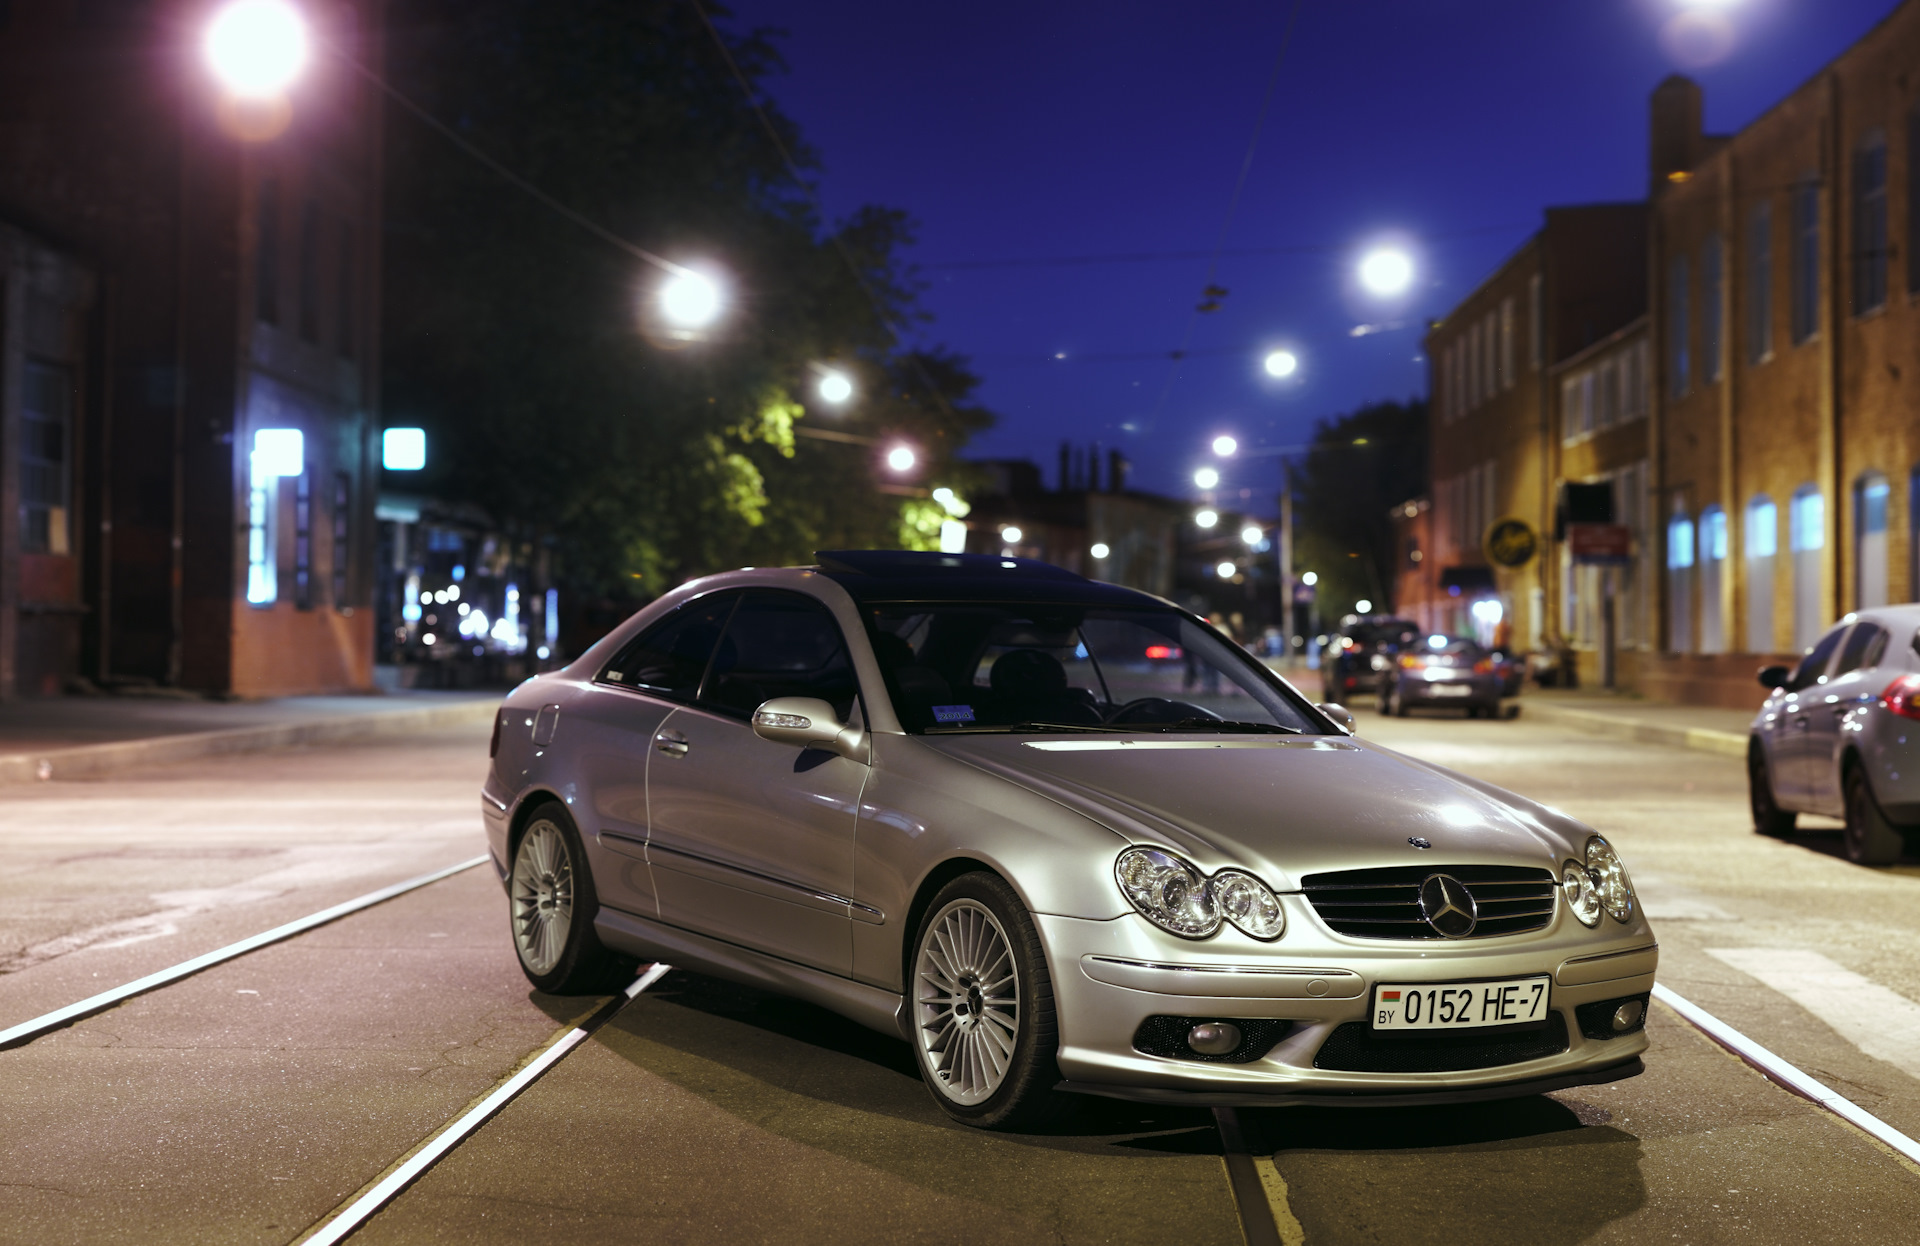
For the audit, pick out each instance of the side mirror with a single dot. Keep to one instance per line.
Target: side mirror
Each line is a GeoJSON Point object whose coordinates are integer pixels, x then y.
{"type": "Point", "coordinates": [1775, 676]}
{"type": "Point", "coordinates": [807, 722]}
{"type": "Point", "coordinates": [1340, 715]}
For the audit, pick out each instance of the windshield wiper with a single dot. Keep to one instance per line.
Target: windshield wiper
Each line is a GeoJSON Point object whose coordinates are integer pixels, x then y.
{"type": "Point", "coordinates": [1007, 728]}
{"type": "Point", "coordinates": [1228, 724]}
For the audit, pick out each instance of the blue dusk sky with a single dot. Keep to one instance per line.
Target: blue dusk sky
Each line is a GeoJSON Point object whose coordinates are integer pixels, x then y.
{"type": "Point", "coordinates": [1071, 165]}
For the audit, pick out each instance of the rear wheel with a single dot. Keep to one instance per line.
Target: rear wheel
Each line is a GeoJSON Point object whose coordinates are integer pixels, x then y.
{"type": "Point", "coordinates": [1768, 817]}
{"type": "Point", "coordinates": [552, 901]}
{"type": "Point", "coordinates": [1870, 838]}
{"type": "Point", "coordinates": [984, 1031]}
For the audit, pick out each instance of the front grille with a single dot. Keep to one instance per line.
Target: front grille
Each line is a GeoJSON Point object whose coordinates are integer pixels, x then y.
{"type": "Point", "coordinates": [1385, 903]}
{"type": "Point", "coordinates": [1167, 1036]}
{"type": "Point", "coordinates": [1355, 1048]}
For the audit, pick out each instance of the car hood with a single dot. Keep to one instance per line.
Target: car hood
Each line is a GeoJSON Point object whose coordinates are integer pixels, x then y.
{"type": "Point", "coordinates": [1280, 807]}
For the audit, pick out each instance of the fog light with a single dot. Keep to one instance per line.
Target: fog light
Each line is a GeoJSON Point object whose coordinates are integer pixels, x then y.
{"type": "Point", "coordinates": [1626, 1016]}
{"type": "Point", "coordinates": [1214, 1038]}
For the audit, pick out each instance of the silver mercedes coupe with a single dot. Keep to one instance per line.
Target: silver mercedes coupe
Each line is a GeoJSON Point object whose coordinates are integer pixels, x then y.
{"type": "Point", "coordinates": [1058, 836]}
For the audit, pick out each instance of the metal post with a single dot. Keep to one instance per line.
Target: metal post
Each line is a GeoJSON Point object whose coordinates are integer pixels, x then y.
{"type": "Point", "coordinates": [1286, 556]}
{"type": "Point", "coordinates": [1606, 627]}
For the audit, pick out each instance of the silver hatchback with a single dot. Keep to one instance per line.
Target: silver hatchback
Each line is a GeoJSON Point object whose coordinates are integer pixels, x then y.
{"type": "Point", "coordinates": [1832, 737]}
{"type": "Point", "coordinates": [1057, 836]}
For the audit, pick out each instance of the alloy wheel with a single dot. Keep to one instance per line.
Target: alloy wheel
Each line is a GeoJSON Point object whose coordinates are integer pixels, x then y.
{"type": "Point", "coordinates": [967, 1001]}
{"type": "Point", "coordinates": [542, 897]}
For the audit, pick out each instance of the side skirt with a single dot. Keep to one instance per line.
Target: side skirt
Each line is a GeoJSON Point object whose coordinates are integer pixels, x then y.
{"type": "Point", "coordinates": [870, 1006]}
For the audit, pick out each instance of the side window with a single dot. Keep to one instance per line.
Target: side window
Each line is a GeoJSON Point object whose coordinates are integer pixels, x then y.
{"type": "Point", "coordinates": [780, 645]}
{"type": "Point", "coordinates": [1864, 646]}
{"type": "Point", "coordinates": [670, 657]}
{"type": "Point", "coordinates": [1813, 667]}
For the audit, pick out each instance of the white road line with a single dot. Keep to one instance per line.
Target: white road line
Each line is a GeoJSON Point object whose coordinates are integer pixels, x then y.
{"type": "Point", "coordinates": [358, 1212]}
{"type": "Point", "coordinates": [1786, 1074]}
{"type": "Point", "coordinates": [28, 1030]}
{"type": "Point", "coordinates": [1878, 1021]}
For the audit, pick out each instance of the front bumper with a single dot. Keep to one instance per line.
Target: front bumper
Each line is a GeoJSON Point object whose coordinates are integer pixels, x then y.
{"type": "Point", "coordinates": [1109, 977]}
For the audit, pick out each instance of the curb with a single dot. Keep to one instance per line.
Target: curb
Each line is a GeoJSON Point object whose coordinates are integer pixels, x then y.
{"type": "Point", "coordinates": [1704, 739]}
{"type": "Point", "coordinates": [93, 761]}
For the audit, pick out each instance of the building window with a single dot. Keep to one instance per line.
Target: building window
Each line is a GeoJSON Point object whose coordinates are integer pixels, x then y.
{"type": "Point", "coordinates": [344, 294]}
{"type": "Point", "coordinates": [1633, 382]}
{"type": "Point", "coordinates": [303, 540]}
{"type": "Point", "coordinates": [1537, 324]}
{"type": "Point", "coordinates": [1762, 544]}
{"type": "Point", "coordinates": [266, 259]}
{"type": "Point", "coordinates": [1712, 267]}
{"type": "Point", "coordinates": [1870, 225]}
{"type": "Point", "coordinates": [1760, 284]}
{"type": "Point", "coordinates": [46, 439]}
{"type": "Point", "coordinates": [1575, 420]}
{"type": "Point", "coordinates": [1606, 394]}
{"type": "Point", "coordinates": [1680, 583]}
{"type": "Point", "coordinates": [1806, 539]}
{"type": "Point", "coordinates": [1490, 342]}
{"type": "Point", "coordinates": [1870, 541]}
{"type": "Point", "coordinates": [1507, 376]}
{"type": "Point", "coordinates": [1678, 328]}
{"type": "Point", "coordinates": [263, 570]}
{"type": "Point", "coordinates": [1806, 261]}
{"type": "Point", "coordinates": [310, 271]}
{"type": "Point", "coordinates": [1713, 579]}
{"type": "Point", "coordinates": [342, 544]}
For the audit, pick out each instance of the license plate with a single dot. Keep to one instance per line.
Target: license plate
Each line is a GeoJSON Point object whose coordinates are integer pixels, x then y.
{"type": "Point", "coordinates": [1459, 1005]}
{"type": "Point", "coordinates": [1449, 690]}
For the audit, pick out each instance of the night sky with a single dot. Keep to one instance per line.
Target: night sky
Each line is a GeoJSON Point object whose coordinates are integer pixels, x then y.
{"type": "Point", "coordinates": [1026, 137]}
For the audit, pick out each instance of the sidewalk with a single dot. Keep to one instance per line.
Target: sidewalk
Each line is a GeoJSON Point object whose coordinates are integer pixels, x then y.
{"type": "Point", "coordinates": [1606, 713]}
{"type": "Point", "coordinates": [88, 737]}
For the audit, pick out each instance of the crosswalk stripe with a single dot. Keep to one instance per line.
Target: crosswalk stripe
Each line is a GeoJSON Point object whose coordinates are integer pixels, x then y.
{"type": "Point", "coordinates": [1880, 1022]}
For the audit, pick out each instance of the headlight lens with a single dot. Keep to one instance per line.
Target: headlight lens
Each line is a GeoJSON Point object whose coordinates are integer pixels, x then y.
{"type": "Point", "coordinates": [1610, 879]}
{"type": "Point", "coordinates": [1168, 892]}
{"type": "Point", "coordinates": [1246, 902]}
{"type": "Point", "coordinates": [1582, 896]}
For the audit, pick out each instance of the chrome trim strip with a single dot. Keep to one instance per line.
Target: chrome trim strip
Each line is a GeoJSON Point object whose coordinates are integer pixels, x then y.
{"type": "Point", "coordinates": [1632, 951]}
{"type": "Point", "coordinates": [489, 797]}
{"type": "Point", "coordinates": [863, 912]}
{"type": "Point", "coordinates": [1261, 969]}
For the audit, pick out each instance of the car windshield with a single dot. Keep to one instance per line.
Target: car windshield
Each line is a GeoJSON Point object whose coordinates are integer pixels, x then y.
{"type": "Point", "coordinates": [1386, 634]}
{"type": "Point", "coordinates": [959, 667]}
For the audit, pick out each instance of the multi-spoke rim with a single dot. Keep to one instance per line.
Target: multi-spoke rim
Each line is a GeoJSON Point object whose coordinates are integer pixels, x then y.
{"type": "Point", "coordinates": [966, 1001]}
{"type": "Point", "coordinates": [542, 897]}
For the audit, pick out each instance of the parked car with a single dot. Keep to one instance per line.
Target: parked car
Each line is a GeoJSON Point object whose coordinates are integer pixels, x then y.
{"type": "Point", "coordinates": [1451, 671]}
{"type": "Point", "coordinates": [958, 799]}
{"type": "Point", "coordinates": [1361, 653]}
{"type": "Point", "coordinates": [1832, 736]}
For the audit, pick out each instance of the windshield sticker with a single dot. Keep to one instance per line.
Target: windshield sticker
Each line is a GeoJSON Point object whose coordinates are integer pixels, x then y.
{"type": "Point", "coordinates": [953, 713]}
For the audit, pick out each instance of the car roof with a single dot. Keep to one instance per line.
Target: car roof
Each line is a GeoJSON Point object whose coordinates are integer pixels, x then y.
{"type": "Point", "coordinates": [871, 575]}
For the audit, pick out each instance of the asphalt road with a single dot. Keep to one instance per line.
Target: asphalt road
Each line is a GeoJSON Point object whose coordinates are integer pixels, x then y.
{"type": "Point", "coordinates": [248, 1103]}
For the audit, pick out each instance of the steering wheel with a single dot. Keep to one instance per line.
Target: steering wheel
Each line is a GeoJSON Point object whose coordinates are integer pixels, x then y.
{"type": "Point", "coordinates": [1159, 710]}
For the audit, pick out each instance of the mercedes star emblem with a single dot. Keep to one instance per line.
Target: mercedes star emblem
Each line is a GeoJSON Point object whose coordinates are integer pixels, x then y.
{"type": "Point", "coordinates": [1420, 841]}
{"type": "Point", "coordinates": [1448, 906]}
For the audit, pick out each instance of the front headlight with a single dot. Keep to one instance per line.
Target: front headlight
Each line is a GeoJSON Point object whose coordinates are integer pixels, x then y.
{"type": "Point", "coordinates": [1248, 903]}
{"type": "Point", "coordinates": [1582, 896]}
{"type": "Point", "coordinates": [1170, 893]}
{"type": "Point", "coordinates": [1610, 879]}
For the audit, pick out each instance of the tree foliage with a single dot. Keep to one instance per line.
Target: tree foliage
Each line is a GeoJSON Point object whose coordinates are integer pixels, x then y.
{"type": "Point", "coordinates": [1359, 467]}
{"type": "Point", "coordinates": [521, 341]}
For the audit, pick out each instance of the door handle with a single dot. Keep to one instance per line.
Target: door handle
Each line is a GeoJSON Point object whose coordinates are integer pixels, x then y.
{"type": "Point", "coordinates": [672, 743]}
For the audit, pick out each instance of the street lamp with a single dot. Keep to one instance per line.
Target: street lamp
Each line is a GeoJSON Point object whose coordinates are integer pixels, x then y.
{"type": "Point", "coordinates": [1225, 570]}
{"type": "Point", "coordinates": [690, 300]}
{"type": "Point", "coordinates": [1099, 549]}
{"type": "Point", "coordinates": [901, 459]}
{"type": "Point", "coordinates": [1253, 534]}
{"type": "Point", "coordinates": [1224, 446]}
{"type": "Point", "coordinates": [1206, 518]}
{"type": "Point", "coordinates": [834, 387]}
{"type": "Point", "coordinates": [1011, 535]}
{"type": "Point", "coordinates": [256, 48]}
{"type": "Point", "coordinates": [1280, 363]}
{"type": "Point", "coordinates": [1386, 271]}
{"type": "Point", "coordinates": [1309, 578]}
{"type": "Point", "coordinates": [1363, 606]}
{"type": "Point", "coordinates": [1206, 478]}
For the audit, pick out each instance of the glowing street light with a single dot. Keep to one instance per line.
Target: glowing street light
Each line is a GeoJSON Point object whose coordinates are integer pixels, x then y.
{"type": "Point", "coordinates": [1207, 518]}
{"type": "Point", "coordinates": [1011, 535]}
{"type": "Point", "coordinates": [1225, 570]}
{"type": "Point", "coordinates": [1281, 363]}
{"type": "Point", "coordinates": [1309, 578]}
{"type": "Point", "coordinates": [1253, 534]}
{"type": "Point", "coordinates": [1224, 446]}
{"type": "Point", "coordinates": [834, 387]}
{"type": "Point", "coordinates": [256, 48]}
{"type": "Point", "coordinates": [1099, 549]}
{"type": "Point", "coordinates": [1386, 272]}
{"type": "Point", "coordinates": [901, 459]}
{"type": "Point", "coordinates": [691, 300]}
{"type": "Point", "coordinates": [1363, 606]}
{"type": "Point", "coordinates": [1206, 478]}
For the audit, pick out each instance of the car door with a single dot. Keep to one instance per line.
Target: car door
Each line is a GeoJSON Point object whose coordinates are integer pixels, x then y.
{"type": "Point", "coordinates": [751, 841]}
{"type": "Point", "coordinates": [1805, 690]}
{"type": "Point", "coordinates": [609, 737]}
{"type": "Point", "coordinates": [1851, 683]}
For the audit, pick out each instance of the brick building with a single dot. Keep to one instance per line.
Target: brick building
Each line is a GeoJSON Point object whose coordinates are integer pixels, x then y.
{"type": "Point", "coordinates": [231, 304]}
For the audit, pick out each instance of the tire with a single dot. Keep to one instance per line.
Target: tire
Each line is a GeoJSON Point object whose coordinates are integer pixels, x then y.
{"type": "Point", "coordinates": [985, 1063]}
{"type": "Point", "coordinates": [1768, 817]}
{"type": "Point", "coordinates": [551, 905]}
{"type": "Point", "coordinates": [1869, 838]}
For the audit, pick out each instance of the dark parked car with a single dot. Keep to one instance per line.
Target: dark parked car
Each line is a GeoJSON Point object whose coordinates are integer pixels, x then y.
{"type": "Point", "coordinates": [1361, 652]}
{"type": "Point", "coordinates": [1444, 670]}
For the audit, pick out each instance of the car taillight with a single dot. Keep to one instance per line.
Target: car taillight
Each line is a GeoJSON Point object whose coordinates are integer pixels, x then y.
{"type": "Point", "coordinates": [1903, 696]}
{"type": "Point", "coordinates": [1352, 682]}
{"type": "Point", "coordinates": [1483, 667]}
{"type": "Point", "coordinates": [1160, 653]}
{"type": "Point", "coordinates": [1412, 661]}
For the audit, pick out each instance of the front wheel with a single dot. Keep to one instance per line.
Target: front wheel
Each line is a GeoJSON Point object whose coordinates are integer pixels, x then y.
{"type": "Point", "coordinates": [552, 901]}
{"type": "Point", "coordinates": [1870, 838]}
{"type": "Point", "coordinates": [1768, 817]}
{"type": "Point", "coordinates": [984, 1031]}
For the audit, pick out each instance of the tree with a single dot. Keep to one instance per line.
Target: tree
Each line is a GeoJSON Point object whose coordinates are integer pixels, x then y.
{"type": "Point", "coordinates": [1358, 467]}
{"type": "Point", "coordinates": [521, 341]}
